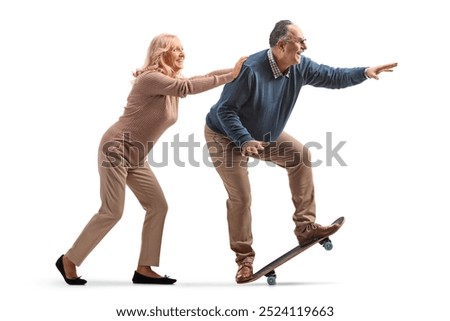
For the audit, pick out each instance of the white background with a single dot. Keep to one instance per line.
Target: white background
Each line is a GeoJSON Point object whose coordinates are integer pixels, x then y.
{"type": "Point", "coordinates": [65, 72]}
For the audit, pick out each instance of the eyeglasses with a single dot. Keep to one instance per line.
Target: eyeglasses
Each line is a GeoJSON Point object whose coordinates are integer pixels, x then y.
{"type": "Point", "coordinates": [300, 41]}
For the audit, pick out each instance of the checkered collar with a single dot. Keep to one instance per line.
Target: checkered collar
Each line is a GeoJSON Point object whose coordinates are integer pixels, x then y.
{"type": "Point", "coordinates": [275, 70]}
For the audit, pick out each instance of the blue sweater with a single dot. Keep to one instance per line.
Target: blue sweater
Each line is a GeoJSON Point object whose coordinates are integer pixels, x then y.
{"type": "Point", "coordinates": [257, 106]}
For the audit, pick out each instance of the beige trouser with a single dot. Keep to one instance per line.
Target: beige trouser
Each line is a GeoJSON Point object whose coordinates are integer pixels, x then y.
{"type": "Point", "coordinates": [113, 180]}
{"type": "Point", "coordinates": [232, 167]}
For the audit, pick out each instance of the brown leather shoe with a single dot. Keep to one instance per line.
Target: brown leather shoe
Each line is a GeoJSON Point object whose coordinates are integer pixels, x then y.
{"type": "Point", "coordinates": [313, 232]}
{"type": "Point", "coordinates": [244, 272]}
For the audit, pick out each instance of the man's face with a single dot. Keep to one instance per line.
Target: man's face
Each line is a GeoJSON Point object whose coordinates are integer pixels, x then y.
{"type": "Point", "coordinates": [295, 45]}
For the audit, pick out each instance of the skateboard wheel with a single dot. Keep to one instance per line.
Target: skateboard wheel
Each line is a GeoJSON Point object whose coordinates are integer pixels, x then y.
{"type": "Point", "coordinates": [328, 245]}
{"type": "Point", "coordinates": [271, 280]}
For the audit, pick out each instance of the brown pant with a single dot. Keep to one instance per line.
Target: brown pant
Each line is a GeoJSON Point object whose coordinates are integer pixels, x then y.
{"type": "Point", "coordinates": [113, 180]}
{"type": "Point", "coordinates": [232, 167]}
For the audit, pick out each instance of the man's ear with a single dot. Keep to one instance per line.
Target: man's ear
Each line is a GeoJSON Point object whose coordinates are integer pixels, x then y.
{"type": "Point", "coordinates": [281, 44]}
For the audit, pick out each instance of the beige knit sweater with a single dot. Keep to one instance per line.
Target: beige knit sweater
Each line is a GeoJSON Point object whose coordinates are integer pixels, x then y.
{"type": "Point", "coordinates": [152, 107]}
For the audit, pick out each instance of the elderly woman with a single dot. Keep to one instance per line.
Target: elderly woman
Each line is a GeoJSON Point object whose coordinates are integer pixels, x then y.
{"type": "Point", "coordinates": [152, 107]}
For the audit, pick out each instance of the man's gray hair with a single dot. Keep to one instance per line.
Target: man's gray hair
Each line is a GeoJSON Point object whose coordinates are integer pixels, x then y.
{"type": "Point", "coordinates": [279, 31]}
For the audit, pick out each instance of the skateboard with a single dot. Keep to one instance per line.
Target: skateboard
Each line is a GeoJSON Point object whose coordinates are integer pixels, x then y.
{"type": "Point", "coordinates": [269, 269]}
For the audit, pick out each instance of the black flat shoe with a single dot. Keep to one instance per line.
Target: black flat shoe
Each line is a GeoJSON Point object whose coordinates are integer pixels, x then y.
{"type": "Point", "coordinates": [142, 279]}
{"type": "Point", "coordinates": [76, 281]}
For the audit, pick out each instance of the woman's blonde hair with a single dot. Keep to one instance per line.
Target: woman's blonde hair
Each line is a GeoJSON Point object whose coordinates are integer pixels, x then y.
{"type": "Point", "coordinates": [156, 60]}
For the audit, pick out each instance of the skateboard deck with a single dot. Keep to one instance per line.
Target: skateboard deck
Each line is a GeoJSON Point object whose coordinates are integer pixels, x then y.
{"type": "Point", "coordinates": [269, 269]}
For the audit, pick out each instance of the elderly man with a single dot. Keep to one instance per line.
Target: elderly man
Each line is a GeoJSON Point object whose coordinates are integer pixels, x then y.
{"type": "Point", "coordinates": [249, 120]}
